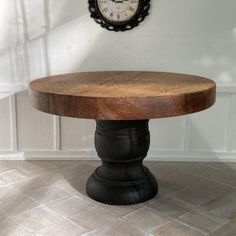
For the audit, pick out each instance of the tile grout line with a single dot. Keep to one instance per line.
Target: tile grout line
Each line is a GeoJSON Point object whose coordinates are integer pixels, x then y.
{"type": "Point", "coordinates": [160, 226]}
{"type": "Point", "coordinates": [13, 217]}
{"type": "Point", "coordinates": [208, 178]}
{"type": "Point", "coordinates": [152, 230]}
{"type": "Point", "coordinates": [27, 179]}
{"type": "Point", "coordinates": [230, 221]}
{"type": "Point", "coordinates": [50, 202]}
{"type": "Point", "coordinates": [23, 226]}
{"type": "Point", "coordinates": [190, 226]}
{"type": "Point", "coordinates": [218, 182]}
{"type": "Point", "coordinates": [49, 210]}
{"type": "Point", "coordinates": [122, 217]}
{"type": "Point", "coordinates": [65, 218]}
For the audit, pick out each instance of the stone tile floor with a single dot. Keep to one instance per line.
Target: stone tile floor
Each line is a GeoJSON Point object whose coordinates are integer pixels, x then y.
{"type": "Point", "coordinates": [48, 198]}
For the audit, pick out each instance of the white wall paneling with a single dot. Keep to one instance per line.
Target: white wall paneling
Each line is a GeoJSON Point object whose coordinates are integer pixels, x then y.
{"type": "Point", "coordinates": [5, 123]}
{"type": "Point", "coordinates": [13, 119]}
{"type": "Point", "coordinates": [34, 16]}
{"type": "Point", "coordinates": [27, 133]}
{"type": "Point", "coordinates": [8, 24]}
{"type": "Point", "coordinates": [35, 130]}
{"type": "Point", "coordinates": [66, 11]}
{"type": "Point", "coordinates": [6, 71]}
{"type": "Point", "coordinates": [38, 66]}
{"type": "Point", "coordinates": [209, 128]}
{"type": "Point", "coordinates": [44, 37]}
{"type": "Point", "coordinates": [57, 132]}
{"type": "Point", "coordinates": [232, 125]}
{"type": "Point", "coordinates": [82, 132]}
{"type": "Point", "coordinates": [204, 44]}
{"type": "Point", "coordinates": [168, 134]}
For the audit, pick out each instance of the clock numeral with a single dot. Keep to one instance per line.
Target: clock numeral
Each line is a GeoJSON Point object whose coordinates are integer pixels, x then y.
{"type": "Point", "coordinates": [131, 9]}
{"type": "Point", "coordinates": [105, 10]}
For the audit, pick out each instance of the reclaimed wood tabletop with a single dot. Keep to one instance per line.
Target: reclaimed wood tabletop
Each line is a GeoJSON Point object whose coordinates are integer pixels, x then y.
{"type": "Point", "coordinates": [122, 95]}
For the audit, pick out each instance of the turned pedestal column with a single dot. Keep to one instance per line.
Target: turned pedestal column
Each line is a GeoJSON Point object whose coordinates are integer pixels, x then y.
{"type": "Point", "coordinates": [122, 178]}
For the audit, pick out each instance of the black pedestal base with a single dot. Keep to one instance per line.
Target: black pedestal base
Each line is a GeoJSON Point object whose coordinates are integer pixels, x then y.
{"type": "Point", "coordinates": [122, 179]}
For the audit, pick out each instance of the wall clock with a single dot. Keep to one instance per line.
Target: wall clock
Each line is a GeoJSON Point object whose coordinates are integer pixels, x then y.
{"type": "Point", "coordinates": [119, 15]}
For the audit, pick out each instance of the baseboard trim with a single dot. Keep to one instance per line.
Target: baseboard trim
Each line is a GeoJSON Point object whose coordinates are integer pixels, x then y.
{"type": "Point", "coordinates": [91, 155]}
{"type": "Point", "coordinates": [193, 156]}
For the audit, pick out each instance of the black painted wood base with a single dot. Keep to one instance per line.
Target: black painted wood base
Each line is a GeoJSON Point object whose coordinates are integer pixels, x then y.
{"type": "Point", "coordinates": [122, 179]}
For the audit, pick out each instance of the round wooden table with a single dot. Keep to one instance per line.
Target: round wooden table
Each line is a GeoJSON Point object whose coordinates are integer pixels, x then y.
{"type": "Point", "coordinates": [122, 103]}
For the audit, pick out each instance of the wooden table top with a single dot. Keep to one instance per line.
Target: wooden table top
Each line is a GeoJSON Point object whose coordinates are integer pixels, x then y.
{"type": "Point", "coordinates": [122, 95]}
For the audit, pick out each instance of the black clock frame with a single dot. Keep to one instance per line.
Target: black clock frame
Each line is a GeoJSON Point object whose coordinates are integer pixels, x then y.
{"type": "Point", "coordinates": [139, 16]}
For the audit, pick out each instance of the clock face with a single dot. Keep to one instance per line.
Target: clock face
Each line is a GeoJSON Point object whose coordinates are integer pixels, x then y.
{"type": "Point", "coordinates": [118, 10]}
{"type": "Point", "coordinates": [119, 15]}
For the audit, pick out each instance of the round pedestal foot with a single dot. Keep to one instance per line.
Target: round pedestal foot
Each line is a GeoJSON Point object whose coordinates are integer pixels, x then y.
{"type": "Point", "coordinates": [122, 193]}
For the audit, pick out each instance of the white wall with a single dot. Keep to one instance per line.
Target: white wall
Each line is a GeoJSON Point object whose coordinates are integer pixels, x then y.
{"type": "Point", "coordinates": [44, 37]}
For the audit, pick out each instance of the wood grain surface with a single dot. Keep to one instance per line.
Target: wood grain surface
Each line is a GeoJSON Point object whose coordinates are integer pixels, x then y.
{"type": "Point", "coordinates": [122, 95]}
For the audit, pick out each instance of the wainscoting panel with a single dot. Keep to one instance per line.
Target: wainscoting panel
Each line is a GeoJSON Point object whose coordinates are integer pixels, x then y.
{"type": "Point", "coordinates": [29, 134]}
{"type": "Point", "coordinates": [208, 129]}
{"type": "Point", "coordinates": [35, 130]}
{"type": "Point", "coordinates": [47, 37]}
{"type": "Point", "coordinates": [232, 125]}
{"type": "Point", "coordinates": [168, 134]}
{"type": "Point", "coordinates": [5, 122]}
{"type": "Point", "coordinates": [77, 134]}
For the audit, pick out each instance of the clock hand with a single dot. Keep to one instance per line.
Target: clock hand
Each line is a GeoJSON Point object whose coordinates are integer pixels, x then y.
{"type": "Point", "coordinates": [119, 1]}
